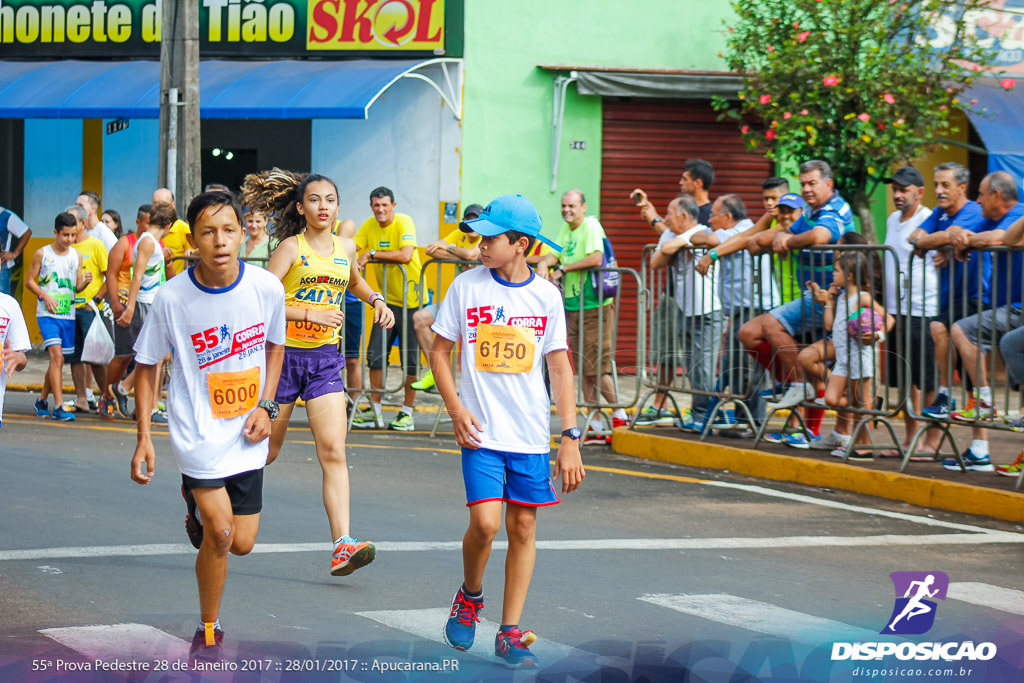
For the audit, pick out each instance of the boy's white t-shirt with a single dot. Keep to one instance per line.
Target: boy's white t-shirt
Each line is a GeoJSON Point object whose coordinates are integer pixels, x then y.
{"type": "Point", "coordinates": [13, 331]}
{"type": "Point", "coordinates": [512, 407]}
{"type": "Point", "coordinates": [219, 339]}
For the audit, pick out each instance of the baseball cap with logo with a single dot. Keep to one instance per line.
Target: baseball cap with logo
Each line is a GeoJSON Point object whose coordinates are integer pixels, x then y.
{"type": "Point", "coordinates": [508, 212]}
{"type": "Point", "coordinates": [793, 201]}
{"type": "Point", "coordinates": [473, 210]}
{"type": "Point", "coordinates": [908, 175]}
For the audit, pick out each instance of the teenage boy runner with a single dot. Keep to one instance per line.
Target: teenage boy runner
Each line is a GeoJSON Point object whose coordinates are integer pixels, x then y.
{"type": "Point", "coordinates": [508, 318]}
{"type": "Point", "coordinates": [14, 342]}
{"type": "Point", "coordinates": [54, 277]}
{"type": "Point", "coordinates": [224, 322]}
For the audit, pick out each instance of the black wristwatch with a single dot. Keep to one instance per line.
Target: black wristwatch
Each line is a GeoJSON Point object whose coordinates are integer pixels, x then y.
{"type": "Point", "coordinates": [271, 407]}
{"type": "Point", "coordinates": [657, 220]}
{"type": "Point", "coordinates": [373, 254]}
{"type": "Point", "coordinates": [573, 433]}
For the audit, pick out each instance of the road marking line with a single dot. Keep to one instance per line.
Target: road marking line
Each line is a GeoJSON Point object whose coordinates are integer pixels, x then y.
{"type": "Point", "coordinates": [601, 544]}
{"type": "Point", "coordinates": [749, 488]}
{"type": "Point", "coordinates": [762, 618]}
{"type": "Point", "coordinates": [125, 642]}
{"type": "Point", "coordinates": [429, 623]}
{"type": "Point", "coordinates": [987, 595]}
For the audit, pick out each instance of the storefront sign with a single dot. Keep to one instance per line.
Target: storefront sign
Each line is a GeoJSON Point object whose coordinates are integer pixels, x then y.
{"type": "Point", "coordinates": [49, 29]}
{"type": "Point", "coordinates": [999, 27]}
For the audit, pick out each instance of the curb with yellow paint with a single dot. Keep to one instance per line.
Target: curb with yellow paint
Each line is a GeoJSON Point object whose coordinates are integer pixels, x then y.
{"type": "Point", "coordinates": [944, 495]}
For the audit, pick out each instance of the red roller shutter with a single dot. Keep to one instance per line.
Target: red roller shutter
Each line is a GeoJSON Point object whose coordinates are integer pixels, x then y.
{"type": "Point", "coordinates": [645, 145]}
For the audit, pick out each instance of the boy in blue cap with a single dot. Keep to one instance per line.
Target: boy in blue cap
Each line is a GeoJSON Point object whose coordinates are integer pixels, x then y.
{"type": "Point", "coordinates": [507, 319]}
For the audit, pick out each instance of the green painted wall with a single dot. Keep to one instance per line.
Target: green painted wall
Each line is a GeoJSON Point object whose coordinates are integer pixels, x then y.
{"type": "Point", "coordinates": [506, 136]}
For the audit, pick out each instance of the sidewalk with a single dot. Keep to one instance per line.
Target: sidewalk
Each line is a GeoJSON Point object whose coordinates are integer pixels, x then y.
{"type": "Point", "coordinates": [926, 484]}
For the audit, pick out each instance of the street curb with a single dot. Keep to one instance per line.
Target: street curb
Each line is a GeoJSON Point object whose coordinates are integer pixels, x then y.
{"type": "Point", "coordinates": [944, 495]}
{"type": "Point", "coordinates": [36, 388]}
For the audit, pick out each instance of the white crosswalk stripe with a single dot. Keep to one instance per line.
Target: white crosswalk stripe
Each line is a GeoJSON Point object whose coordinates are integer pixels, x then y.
{"type": "Point", "coordinates": [987, 595]}
{"type": "Point", "coordinates": [763, 617]}
{"type": "Point", "coordinates": [124, 642]}
{"type": "Point", "coordinates": [429, 623]}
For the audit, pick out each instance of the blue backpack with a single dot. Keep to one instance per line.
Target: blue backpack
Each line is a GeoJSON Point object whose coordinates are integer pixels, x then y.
{"type": "Point", "coordinates": [606, 284]}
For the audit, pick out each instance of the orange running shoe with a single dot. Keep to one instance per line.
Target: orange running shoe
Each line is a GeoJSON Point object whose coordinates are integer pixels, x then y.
{"type": "Point", "coordinates": [350, 554]}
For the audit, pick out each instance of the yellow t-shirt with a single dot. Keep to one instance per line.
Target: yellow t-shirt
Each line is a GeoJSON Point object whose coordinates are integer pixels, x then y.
{"type": "Point", "coordinates": [177, 241]}
{"type": "Point", "coordinates": [457, 238]}
{"type": "Point", "coordinates": [316, 283]}
{"type": "Point", "coordinates": [94, 260]}
{"type": "Point", "coordinates": [401, 232]}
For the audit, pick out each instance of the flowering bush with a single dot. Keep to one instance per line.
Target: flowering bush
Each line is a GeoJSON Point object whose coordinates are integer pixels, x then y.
{"type": "Point", "coordinates": [854, 82]}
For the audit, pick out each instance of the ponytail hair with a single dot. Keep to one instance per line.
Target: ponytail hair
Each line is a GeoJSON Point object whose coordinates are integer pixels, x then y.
{"type": "Point", "coordinates": [275, 194]}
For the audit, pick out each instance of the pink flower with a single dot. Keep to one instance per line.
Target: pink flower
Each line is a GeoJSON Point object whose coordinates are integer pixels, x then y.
{"type": "Point", "coordinates": [796, 24]}
{"type": "Point", "coordinates": [745, 129]}
{"type": "Point", "coordinates": [974, 101]}
{"type": "Point", "coordinates": [1008, 83]}
{"type": "Point", "coordinates": [881, 126]}
{"type": "Point", "coordinates": [803, 36]}
{"type": "Point", "coordinates": [864, 117]}
{"type": "Point", "coordinates": [730, 29]}
{"type": "Point", "coordinates": [765, 99]}
{"type": "Point", "coordinates": [804, 112]}
{"type": "Point", "coordinates": [889, 98]}
{"type": "Point", "coordinates": [786, 115]}
{"type": "Point", "coordinates": [770, 135]}
{"type": "Point", "coordinates": [771, 49]}
{"type": "Point", "coordinates": [830, 80]}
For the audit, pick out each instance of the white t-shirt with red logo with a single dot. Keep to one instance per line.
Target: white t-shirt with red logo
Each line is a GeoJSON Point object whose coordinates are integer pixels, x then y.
{"type": "Point", "coordinates": [219, 339]}
{"type": "Point", "coordinates": [13, 332]}
{"type": "Point", "coordinates": [508, 396]}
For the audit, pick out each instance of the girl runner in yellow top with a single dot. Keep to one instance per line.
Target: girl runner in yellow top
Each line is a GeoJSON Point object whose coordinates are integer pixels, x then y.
{"type": "Point", "coordinates": [315, 267]}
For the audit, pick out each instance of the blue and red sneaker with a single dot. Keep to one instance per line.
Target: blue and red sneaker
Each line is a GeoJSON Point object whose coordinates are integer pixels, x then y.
{"type": "Point", "coordinates": [460, 629]}
{"type": "Point", "coordinates": [510, 649]}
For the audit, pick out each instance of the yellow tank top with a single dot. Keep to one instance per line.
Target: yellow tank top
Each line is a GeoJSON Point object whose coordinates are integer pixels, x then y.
{"type": "Point", "coordinates": [316, 283]}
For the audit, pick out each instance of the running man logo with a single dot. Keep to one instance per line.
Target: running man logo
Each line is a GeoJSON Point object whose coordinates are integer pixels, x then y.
{"type": "Point", "coordinates": [375, 25]}
{"type": "Point", "coordinates": [913, 613]}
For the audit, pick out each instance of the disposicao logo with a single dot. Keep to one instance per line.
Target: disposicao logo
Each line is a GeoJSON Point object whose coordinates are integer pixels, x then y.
{"type": "Point", "coordinates": [913, 613]}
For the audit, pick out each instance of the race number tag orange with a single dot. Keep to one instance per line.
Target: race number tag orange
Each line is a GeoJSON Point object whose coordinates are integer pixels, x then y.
{"type": "Point", "coordinates": [305, 331]}
{"type": "Point", "coordinates": [504, 348]}
{"type": "Point", "coordinates": [233, 393]}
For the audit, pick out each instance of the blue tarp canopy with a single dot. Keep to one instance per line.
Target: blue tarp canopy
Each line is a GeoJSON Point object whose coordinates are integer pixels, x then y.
{"type": "Point", "coordinates": [999, 120]}
{"type": "Point", "coordinates": [283, 89]}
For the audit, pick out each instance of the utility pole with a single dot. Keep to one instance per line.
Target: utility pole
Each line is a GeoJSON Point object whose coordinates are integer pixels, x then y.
{"type": "Point", "coordinates": [180, 169]}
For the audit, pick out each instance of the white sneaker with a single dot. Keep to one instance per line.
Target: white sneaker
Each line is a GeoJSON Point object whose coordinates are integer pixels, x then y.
{"type": "Point", "coordinates": [839, 452]}
{"type": "Point", "coordinates": [830, 442]}
{"type": "Point", "coordinates": [795, 395]}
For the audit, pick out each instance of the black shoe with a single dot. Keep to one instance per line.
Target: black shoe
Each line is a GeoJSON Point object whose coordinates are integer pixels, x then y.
{"type": "Point", "coordinates": [204, 651]}
{"type": "Point", "coordinates": [193, 527]}
{"type": "Point", "coordinates": [122, 400]}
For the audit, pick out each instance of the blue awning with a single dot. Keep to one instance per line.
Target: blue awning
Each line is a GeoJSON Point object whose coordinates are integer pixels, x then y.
{"type": "Point", "coordinates": [283, 89]}
{"type": "Point", "coordinates": [999, 119]}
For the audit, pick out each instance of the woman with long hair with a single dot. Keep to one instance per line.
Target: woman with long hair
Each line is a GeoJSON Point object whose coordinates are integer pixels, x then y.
{"type": "Point", "coordinates": [316, 269]}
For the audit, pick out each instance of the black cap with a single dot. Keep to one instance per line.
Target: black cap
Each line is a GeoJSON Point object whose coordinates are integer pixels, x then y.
{"type": "Point", "coordinates": [473, 210]}
{"type": "Point", "coordinates": [908, 175]}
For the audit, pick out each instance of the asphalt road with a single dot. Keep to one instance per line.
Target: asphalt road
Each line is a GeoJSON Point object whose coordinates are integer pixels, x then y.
{"type": "Point", "coordinates": [649, 570]}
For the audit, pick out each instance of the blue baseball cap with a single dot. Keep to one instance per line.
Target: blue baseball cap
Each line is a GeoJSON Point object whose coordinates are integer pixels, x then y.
{"type": "Point", "coordinates": [793, 201]}
{"type": "Point", "coordinates": [508, 212]}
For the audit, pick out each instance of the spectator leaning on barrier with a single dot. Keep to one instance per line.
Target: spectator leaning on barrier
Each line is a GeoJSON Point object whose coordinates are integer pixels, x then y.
{"type": "Point", "coordinates": [90, 201]}
{"type": "Point", "coordinates": [741, 300]}
{"type": "Point", "coordinates": [953, 214]}
{"type": "Point", "coordinates": [698, 333]}
{"type": "Point", "coordinates": [914, 283]}
{"type": "Point", "coordinates": [456, 245]}
{"type": "Point", "coordinates": [582, 239]}
{"type": "Point", "coordinates": [696, 180]}
{"type": "Point", "coordinates": [998, 199]}
{"type": "Point", "coordinates": [389, 237]}
{"type": "Point", "coordinates": [773, 334]}
{"type": "Point", "coordinates": [14, 235]}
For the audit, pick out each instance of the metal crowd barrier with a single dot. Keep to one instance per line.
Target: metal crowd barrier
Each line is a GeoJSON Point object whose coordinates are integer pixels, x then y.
{"type": "Point", "coordinates": [996, 300]}
{"type": "Point", "coordinates": [367, 390]}
{"type": "Point", "coordinates": [599, 406]}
